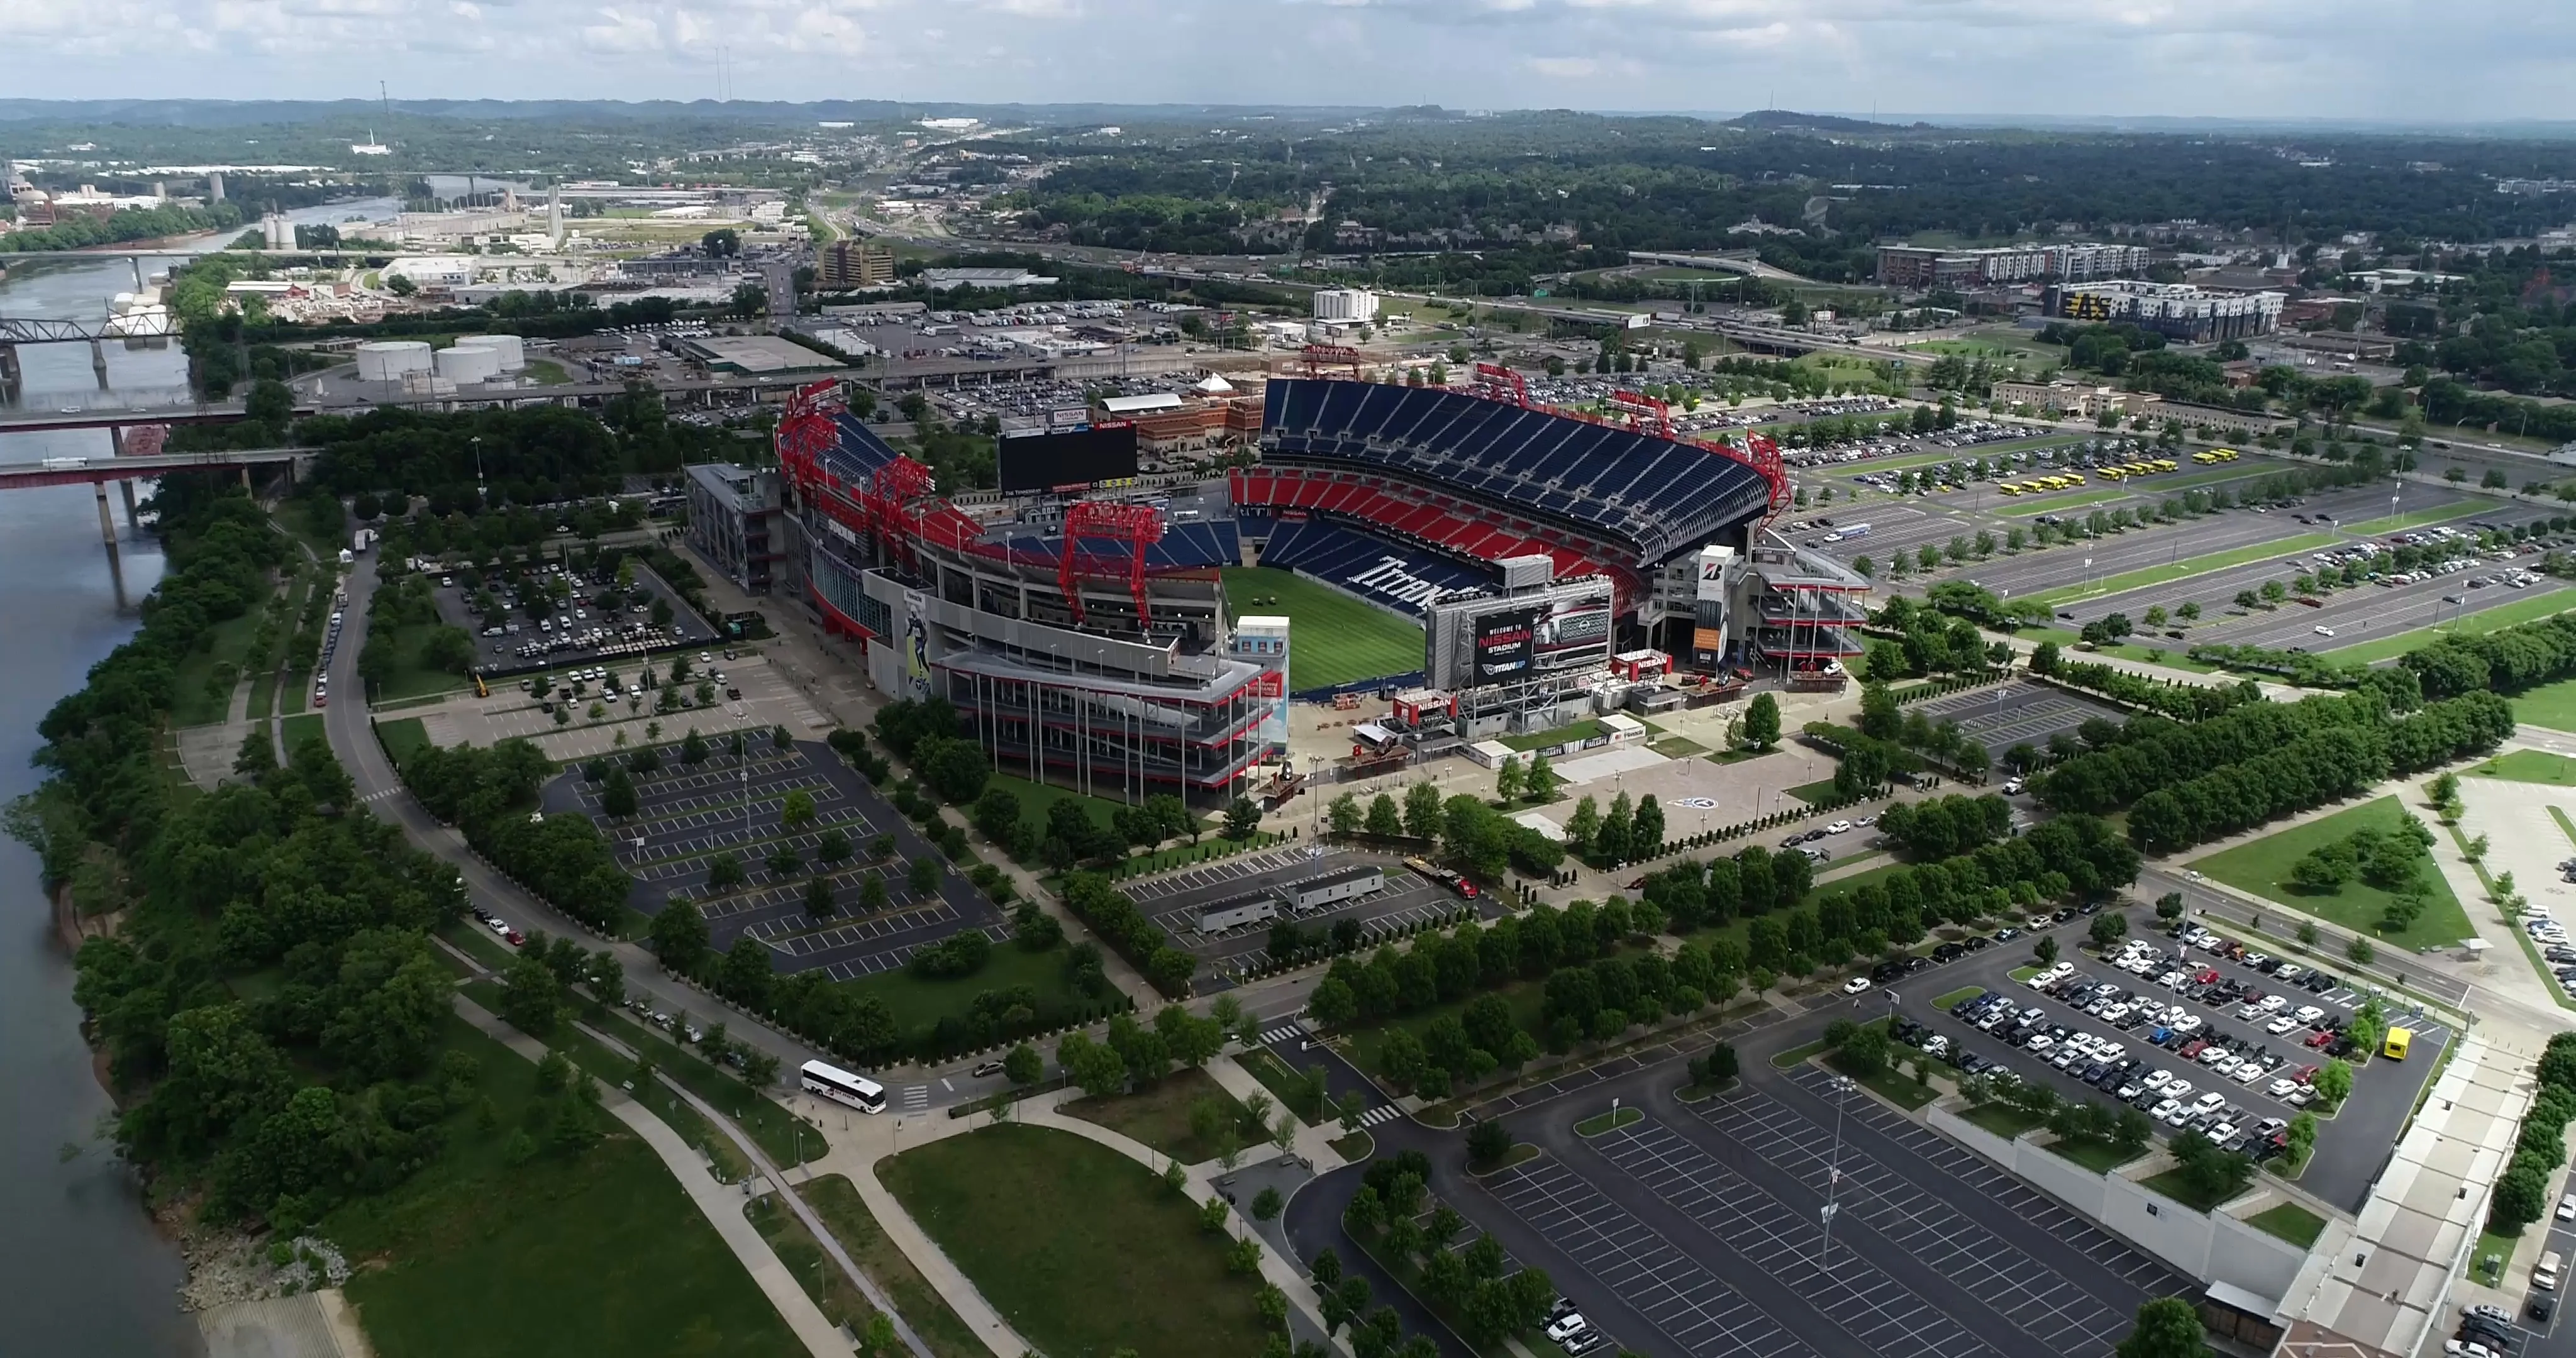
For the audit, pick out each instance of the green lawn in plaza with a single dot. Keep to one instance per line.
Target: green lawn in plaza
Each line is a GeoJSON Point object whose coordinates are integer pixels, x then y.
{"type": "Point", "coordinates": [2262, 867]}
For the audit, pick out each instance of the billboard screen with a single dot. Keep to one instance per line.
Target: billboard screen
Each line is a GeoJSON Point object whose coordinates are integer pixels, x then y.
{"type": "Point", "coordinates": [1506, 644]}
{"type": "Point", "coordinates": [1571, 631]}
{"type": "Point", "coordinates": [1071, 457]}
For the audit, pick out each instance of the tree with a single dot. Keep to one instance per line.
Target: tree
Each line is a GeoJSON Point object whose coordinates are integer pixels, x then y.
{"type": "Point", "coordinates": [1423, 813]}
{"type": "Point", "coordinates": [818, 898]}
{"type": "Point", "coordinates": [1488, 1141]}
{"type": "Point", "coordinates": [923, 876]}
{"type": "Point", "coordinates": [617, 798]}
{"type": "Point", "coordinates": [532, 995]}
{"type": "Point", "coordinates": [679, 936]}
{"type": "Point", "coordinates": [2167, 1327]}
{"type": "Point", "coordinates": [2047, 950]}
{"type": "Point", "coordinates": [1023, 1066]}
{"type": "Point", "coordinates": [1507, 780]}
{"type": "Point", "coordinates": [2333, 1081]}
{"type": "Point", "coordinates": [797, 811]}
{"type": "Point", "coordinates": [1538, 781]}
{"type": "Point", "coordinates": [1345, 815]}
{"type": "Point", "coordinates": [725, 872]}
{"type": "Point", "coordinates": [1762, 721]}
{"type": "Point", "coordinates": [1241, 818]}
{"type": "Point", "coordinates": [1384, 820]}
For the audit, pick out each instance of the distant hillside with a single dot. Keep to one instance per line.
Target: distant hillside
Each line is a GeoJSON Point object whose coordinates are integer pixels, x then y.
{"type": "Point", "coordinates": [1789, 120]}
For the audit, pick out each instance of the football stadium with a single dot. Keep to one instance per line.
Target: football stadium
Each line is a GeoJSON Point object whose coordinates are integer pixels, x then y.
{"type": "Point", "coordinates": [1494, 563]}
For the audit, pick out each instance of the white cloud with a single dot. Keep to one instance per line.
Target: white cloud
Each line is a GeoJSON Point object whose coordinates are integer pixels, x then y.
{"type": "Point", "coordinates": [2364, 58]}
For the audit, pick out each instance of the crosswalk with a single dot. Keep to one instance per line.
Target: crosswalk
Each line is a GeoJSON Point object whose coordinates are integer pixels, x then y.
{"type": "Point", "coordinates": [1385, 1112]}
{"type": "Point", "coordinates": [381, 794]}
{"type": "Point", "coordinates": [1286, 1032]}
{"type": "Point", "coordinates": [916, 1098]}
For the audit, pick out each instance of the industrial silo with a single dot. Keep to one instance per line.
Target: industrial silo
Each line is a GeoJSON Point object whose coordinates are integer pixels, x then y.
{"type": "Point", "coordinates": [392, 360]}
{"type": "Point", "coordinates": [513, 355]}
{"type": "Point", "coordinates": [467, 364]}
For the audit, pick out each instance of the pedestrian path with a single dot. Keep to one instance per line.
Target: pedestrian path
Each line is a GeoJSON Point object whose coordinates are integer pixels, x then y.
{"type": "Point", "coordinates": [1283, 1033]}
{"type": "Point", "coordinates": [1385, 1112]}
{"type": "Point", "coordinates": [916, 1098]}
{"type": "Point", "coordinates": [719, 1203]}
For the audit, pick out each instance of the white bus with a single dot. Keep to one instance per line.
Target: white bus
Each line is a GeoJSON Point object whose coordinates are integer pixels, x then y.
{"type": "Point", "coordinates": [840, 1086]}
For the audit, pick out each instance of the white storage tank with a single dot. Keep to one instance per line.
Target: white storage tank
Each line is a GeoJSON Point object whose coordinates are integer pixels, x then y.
{"type": "Point", "coordinates": [468, 363]}
{"type": "Point", "coordinates": [513, 355]}
{"type": "Point", "coordinates": [392, 360]}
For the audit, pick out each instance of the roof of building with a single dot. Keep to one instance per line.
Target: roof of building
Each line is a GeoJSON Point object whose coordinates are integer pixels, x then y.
{"type": "Point", "coordinates": [1148, 404]}
{"type": "Point", "coordinates": [755, 354]}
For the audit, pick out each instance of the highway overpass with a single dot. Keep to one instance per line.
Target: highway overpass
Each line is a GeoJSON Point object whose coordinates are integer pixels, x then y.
{"type": "Point", "coordinates": [98, 471]}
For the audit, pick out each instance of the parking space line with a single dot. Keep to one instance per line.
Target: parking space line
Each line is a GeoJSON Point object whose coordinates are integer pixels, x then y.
{"type": "Point", "coordinates": [1886, 1316]}
{"type": "Point", "coordinates": [1698, 1311]}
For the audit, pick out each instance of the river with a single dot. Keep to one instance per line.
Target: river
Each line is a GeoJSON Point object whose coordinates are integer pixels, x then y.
{"type": "Point", "coordinates": [87, 1271]}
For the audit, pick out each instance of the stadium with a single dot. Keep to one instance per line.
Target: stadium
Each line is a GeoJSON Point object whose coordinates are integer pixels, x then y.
{"type": "Point", "coordinates": [1514, 553]}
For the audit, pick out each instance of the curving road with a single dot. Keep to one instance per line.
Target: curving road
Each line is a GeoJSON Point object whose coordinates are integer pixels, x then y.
{"type": "Point", "coordinates": [379, 788]}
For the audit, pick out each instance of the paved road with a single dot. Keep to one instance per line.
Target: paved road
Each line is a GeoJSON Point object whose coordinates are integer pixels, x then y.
{"type": "Point", "coordinates": [353, 740]}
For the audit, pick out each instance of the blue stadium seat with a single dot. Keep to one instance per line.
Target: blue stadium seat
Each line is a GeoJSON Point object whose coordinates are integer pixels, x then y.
{"type": "Point", "coordinates": [1403, 579]}
{"type": "Point", "coordinates": [1662, 496]}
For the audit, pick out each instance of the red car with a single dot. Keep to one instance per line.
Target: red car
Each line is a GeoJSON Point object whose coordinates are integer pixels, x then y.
{"type": "Point", "coordinates": [2205, 976]}
{"type": "Point", "coordinates": [2319, 1039]}
{"type": "Point", "coordinates": [2304, 1074]}
{"type": "Point", "coordinates": [2191, 1050]}
{"type": "Point", "coordinates": [515, 938]}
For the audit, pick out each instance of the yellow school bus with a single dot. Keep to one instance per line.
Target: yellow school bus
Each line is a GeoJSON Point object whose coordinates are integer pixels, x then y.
{"type": "Point", "coordinates": [2010, 488]}
{"type": "Point", "coordinates": [2395, 1048]}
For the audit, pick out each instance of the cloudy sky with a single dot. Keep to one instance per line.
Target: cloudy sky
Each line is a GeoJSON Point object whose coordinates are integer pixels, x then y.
{"type": "Point", "coordinates": [2415, 60]}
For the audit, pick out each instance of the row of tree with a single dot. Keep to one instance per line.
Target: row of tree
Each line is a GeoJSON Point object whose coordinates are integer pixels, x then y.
{"type": "Point", "coordinates": [2316, 769]}
{"type": "Point", "coordinates": [2507, 660]}
{"type": "Point", "coordinates": [2522, 1194]}
{"type": "Point", "coordinates": [2148, 752]}
{"type": "Point", "coordinates": [326, 1082]}
{"type": "Point", "coordinates": [2166, 697]}
{"type": "Point", "coordinates": [487, 792]}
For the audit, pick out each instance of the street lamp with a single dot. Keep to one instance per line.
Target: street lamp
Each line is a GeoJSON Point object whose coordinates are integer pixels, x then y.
{"type": "Point", "coordinates": [1833, 1175]}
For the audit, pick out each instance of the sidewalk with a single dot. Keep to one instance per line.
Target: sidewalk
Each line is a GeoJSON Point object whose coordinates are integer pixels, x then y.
{"type": "Point", "coordinates": [1314, 1143]}
{"type": "Point", "coordinates": [721, 1205]}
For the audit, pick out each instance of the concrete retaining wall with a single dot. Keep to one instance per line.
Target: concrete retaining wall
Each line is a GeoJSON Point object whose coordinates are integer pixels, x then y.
{"type": "Point", "coordinates": [2213, 1247]}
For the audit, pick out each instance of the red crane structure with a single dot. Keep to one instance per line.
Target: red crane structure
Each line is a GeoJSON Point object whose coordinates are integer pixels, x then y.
{"type": "Point", "coordinates": [1137, 526]}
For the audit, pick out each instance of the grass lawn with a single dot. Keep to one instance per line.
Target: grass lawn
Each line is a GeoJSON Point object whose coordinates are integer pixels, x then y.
{"type": "Point", "coordinates": [1333, 638]}
{"type": "Point", "coordinates": [2547, 603]}
{"type": "Point", "coordinates": [402, 738]}
{"type": "Point", "coordinates": [2550, 705]}
{"type": "Point", "coordinates": [1968, 992]}
{"type": "Point", "coordinates": [1611, 1121]}
{"type": "Point", "coordinates": [1854, 882]}
{"type": "Point", "coordinates": [763, 1120]}
{"type": "Point", "coordinates": [1159, 1115]}
{"type": "Point", "coordinates": [840, 1299]}
{"type": "Point", "coordinates": [604, 1253]}
{"type": "Point", "coordinates": [1564, 735]}
{"type": "Point", "coordinates": [1364, 1044]}
{"type": "Point", "coordinates": [919, 1001]}
{"type": "Point", "coordinates": [228, 643]}
{"type": "Point", "coordinates": [2495, 1245]}
{"type": "Point", "coordinates": [2263, 868]}
{"type": "Point", "coordinates": [1064, 1237]}
{"type": "Point", "coordinates": [2022, 973]}
{"type": "Point", "coordinates": [478, 942]}
{"type": "Point", "coordinates": [847, 1217]}
{"type": "Point", "coordinates": [2101, 1157]}
{"type": "Point", "coordinates": [1036, 799]}
{"type": "Point", "coordinates": [1676, 747]}
{"type": "Point", "coordinates": [2529, 766]}
{"type": "Point", "coordinates": [303, 727]}
{"type": "Point", "coordinates": [2414, 518]}
{"type": "Point", "coordinates": [545, 372]}
{"type": "Point", "coordinates": [1891, 1084]}
{"type": "Point", "coordinates": [2190, 566]}
{"type": "Point", "coordinates": [2290, 1222]}
{"type": "Point", "coordinates": [1285, 1085]}
{"type": "Point", "coordinates": [2173, 1185]}
{"type": "Point", "coordinates": [1815, 794]}
{"type": "Point", "coordinates": [411, 678]}
{"type": "Point", "coordinates": [263, 694]}
{"type": "Point", "coordinates": [2005, 1121]}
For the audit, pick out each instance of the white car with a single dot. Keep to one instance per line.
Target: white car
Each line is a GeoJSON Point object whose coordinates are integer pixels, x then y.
{"type": "Point", "coordinates": [1840, 827]}
{"type": "Point", "coordinates": [2170, 1111]}
{"type": "Point", "coordinates": [2567, 1208]}
{"type": "Point", "coordinates": [2273, 1004]}
{"type": "Point", "coordinates": [2158, 1080]}
{"type": "Point", "coordinates": [1567, 1326]}
{"type": "Point", "coordinates": [2280, 1089]}
{"type": "Point", "coordinates": [2279, 1026]}
{"type": "Point", "coordinates": [2308, 1013]}
{"type": "Point", "coordinates": [1855, 985]}
{"type": "Point", "coordinates": [2290, 971]}
{"type": "Point", "coordinates": [2247, 1072]}
{"type": "Point", "coordinates": [2210, 1101]}
{"type": "Point", "coordinates": [2179, 1089]}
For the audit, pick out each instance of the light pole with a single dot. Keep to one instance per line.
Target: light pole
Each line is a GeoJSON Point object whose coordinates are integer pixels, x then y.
{"type": "Point", "coordinates": [1833, 1176]}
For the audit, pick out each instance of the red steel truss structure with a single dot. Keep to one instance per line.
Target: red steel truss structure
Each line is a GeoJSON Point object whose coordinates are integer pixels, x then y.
{"type": "Point", "coordinates": [1137, 526]}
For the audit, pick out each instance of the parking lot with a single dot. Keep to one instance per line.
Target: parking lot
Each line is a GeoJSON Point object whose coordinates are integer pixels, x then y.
{"type": "Point", "coordinates": [516, 629]}
{"type": "Point", "coordinates": [2016, 713]}
{"type": "Point", "coordinates": [688, 816]}
{"type": "Point", "coordinates": [1698, 1229]}
{"type": "Point", "coordinates": [1174, 900]}
{"type": "Point", "coordinates": [2351, 1145]}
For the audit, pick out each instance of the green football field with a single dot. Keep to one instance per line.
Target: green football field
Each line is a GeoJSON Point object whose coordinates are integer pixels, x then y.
{"type": "Point", "coordinates": [1332, 637]}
